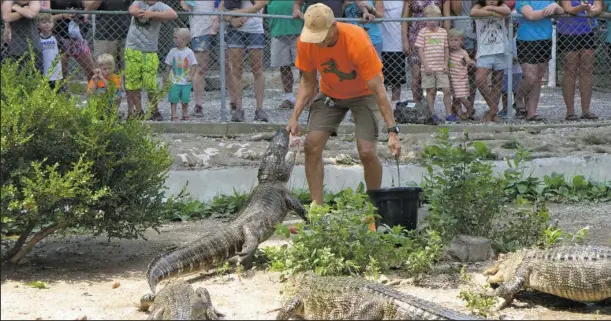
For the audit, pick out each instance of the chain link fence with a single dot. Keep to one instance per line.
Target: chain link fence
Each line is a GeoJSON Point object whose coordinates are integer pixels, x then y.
{"type": "Point", "coordinates": [247, 64]}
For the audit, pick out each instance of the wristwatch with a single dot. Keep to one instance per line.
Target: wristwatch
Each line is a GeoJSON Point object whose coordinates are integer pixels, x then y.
{"type": "Point", "coordinates": [393, 129]}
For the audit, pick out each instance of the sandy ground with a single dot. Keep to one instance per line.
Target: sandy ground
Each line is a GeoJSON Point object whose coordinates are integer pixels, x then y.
{"type": "Point", "coordinates": [80, 272]}
{"type": "Point", "coordinates": [197, 152]}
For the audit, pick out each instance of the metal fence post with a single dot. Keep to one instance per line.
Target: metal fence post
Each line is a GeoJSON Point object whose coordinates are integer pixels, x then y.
{"type": "Point", "coordinates": [510, 71]}
{"type": "Point", "coordinates": [222, 79]}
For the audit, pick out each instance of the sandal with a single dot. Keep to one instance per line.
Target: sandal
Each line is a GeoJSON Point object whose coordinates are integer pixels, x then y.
{"type": "Point", "coordinates": [521, 113]}
{"type": "Point", "coordinates": [185, 118]}
{"type": "Point", "coordinates": [175, 118]}
{"type": "Point", "coordinates": [589, 116]}
{"type": "Point", "coordinates": [571, 117]}
{"type": "Point", "coordinates": [535, 118]}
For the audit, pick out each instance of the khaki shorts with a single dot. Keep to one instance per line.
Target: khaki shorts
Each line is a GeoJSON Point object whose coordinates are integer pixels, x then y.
{"type": "Point", "coordinates": [438, 79]}
{"type": "Point", "coordinates": [367, 117]}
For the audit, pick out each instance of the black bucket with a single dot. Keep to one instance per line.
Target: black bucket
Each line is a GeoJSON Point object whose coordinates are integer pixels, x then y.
{"type": "Point", "coordinates": [397, 206]}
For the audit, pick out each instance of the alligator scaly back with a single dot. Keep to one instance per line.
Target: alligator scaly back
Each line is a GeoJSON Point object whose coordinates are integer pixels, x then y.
{"type": "Point", "coordinates": [579, 273]}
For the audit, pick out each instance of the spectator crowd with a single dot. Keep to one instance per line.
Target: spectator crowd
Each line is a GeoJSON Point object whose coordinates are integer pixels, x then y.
{"type": "Point", "coordinates": [457, 57]}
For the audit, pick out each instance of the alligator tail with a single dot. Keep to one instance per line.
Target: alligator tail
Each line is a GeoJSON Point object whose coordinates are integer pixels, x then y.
{"type": "Point", "coordinates": [203, 253]}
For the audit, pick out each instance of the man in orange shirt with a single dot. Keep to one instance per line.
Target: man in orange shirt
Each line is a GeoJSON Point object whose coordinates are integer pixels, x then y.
{"type": "Point", "coordinates": [351, 79]}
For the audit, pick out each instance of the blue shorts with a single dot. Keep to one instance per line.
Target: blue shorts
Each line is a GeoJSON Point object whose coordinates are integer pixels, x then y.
{"type": "Point", "coordinates": [496, 62]}
{"type": "Point", "coordinates": [203, 43]}
{"type": "Point", "coordinates": [240, 39]}
{"type": "Point", "coordinates": [180, 93]}
{"type": "Point", "coordinates": [515, 82]}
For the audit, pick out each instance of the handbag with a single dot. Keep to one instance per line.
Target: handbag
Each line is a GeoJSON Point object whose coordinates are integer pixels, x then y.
{"type": "Point", "coordinates": [74, 31]}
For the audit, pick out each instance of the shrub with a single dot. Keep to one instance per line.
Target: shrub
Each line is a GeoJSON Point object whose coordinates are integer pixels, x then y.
{"type": "Point", "coordinates": [66, 166]}
{"type": "Point", "coordinates": [466, 197]}
{"type": "Point", "coordinates": [338, 241]}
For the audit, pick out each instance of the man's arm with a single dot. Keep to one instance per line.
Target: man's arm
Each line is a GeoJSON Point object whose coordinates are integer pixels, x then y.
{"type": "Point", "coordinates": [134, 8]}
{"type": "Point", "coordinates": [376, 85]}
{"type": "Point", "coordinates": [92, 4]}
{"type": "Point", "coordinates": [307, 86]}
{"type": "Point", "coordinates": [404, 24]}
{"type": "Point", "coordinates": [7, 12]}
{"type": "Point", "coordinates": [259, 4]}
{"type": "Point", "coordinates": [165, 15]}
{"type": "Point", "coordinates": [30, 11]}
{"type": "Point", "coordinates": [447, 12]}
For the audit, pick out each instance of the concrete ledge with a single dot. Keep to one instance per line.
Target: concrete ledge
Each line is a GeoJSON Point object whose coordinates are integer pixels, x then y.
{"type": "Point", "coordinates": [239, 129]}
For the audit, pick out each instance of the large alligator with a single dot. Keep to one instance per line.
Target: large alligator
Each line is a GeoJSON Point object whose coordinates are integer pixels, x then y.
{"type": "Point", "coordinates": [313, 297]}
{"type": "Point", "coordinates": [579, 273]}
{"type": "Point", "coordinates": [178, 301]}
{"type": "Point", "coordinates": [267, 206]}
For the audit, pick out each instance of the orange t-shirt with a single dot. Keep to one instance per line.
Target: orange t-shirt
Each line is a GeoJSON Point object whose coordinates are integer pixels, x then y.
{"type": "Point", "coordinates": [116, 79]}
{"type": "Point", "coordinates": [346, 67]}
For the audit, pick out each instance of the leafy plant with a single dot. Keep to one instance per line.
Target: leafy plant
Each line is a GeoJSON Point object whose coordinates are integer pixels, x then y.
{"type": "Point", "coordinates": [338, 240]}
{"type": "Point", "coordinates": [64, 166]}
{"type": "Point", "coordinates": [465, 197]}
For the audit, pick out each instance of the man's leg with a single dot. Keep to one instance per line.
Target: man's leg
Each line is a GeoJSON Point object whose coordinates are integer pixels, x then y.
{"type": "Point", "coordinates": [322, 122]}
{"type": "Point", "coordinates": [314, 170]}
{"type": "Point", "coordinates": [368, 122]}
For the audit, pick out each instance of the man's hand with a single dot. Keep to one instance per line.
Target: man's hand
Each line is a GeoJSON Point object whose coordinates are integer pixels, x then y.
{"type": "Point", "coordinates": [237, 22]}
{"type": "Point", "coordinates": [297, 14]}
{"type": "Point", "coordinates": [293, 127]}
{"type": "Point", "coordinates": [549, 10]}
{"type": "Point", "coordinates": [394, 144]}
{"type": "Point", "coordinates": [147, 14]}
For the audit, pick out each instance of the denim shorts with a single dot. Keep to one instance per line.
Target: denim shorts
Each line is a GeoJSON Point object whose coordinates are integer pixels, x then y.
{"type": "Point", "coordinates": [378, 46]}
{"type": "Point", "coordinates": [240, 39]}
{"type": "Point", "coordinates": [496, 62]}
{"type": "Point", "coordinates": [203, 43]}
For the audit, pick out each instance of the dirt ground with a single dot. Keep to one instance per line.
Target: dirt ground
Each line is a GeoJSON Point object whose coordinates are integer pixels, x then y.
{"type": "Point", "coordinates": [197, 152]}
{"type": "Point", "coordinates": [80, 272]}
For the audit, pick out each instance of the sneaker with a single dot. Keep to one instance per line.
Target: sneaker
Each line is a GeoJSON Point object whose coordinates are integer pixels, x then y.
{"type": "Point", "coordinates": [156, 116]}
{"type": "Point", "coordinates": [286, 104]}
{"type": "Point", "coordinates": [502, 114]}
{"type": "Point", "coordinates": [261, 115]}
{"type": "Point", "coordinates": [233, 106]}
{"type": "Point", "coordinates": [237, 115]}
{"type": "Point", "coordinates": [452, 119]}
{"type": "Point", "coordinates": [199, 111]}
{"type": "Point", "coordinates": [436, 119]}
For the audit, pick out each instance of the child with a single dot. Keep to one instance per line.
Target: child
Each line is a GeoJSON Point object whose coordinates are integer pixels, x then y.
{"type": "Point", "coordinates": [181, 64]}
{"type": "Point", "coordinates": [432, 44]}
{"type": "Point", "coordinates": [519, 104]}
{"type": "Point", "coordinates": [491, 51]}
{"type": "Point", "coordinates": [459, 73]}
{"type": "Point", "coordinates": [50, 51]}
{"type": "Point", "coordinates": [102, 75]}
{"type": "Point", "coordinates": [141, 46]}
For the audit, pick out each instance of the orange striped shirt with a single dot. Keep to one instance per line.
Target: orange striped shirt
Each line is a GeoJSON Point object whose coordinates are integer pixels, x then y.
{"type": "Point", "coordinates": [434, 44]}
{"type": "Point", "coordinates": [459, 73]}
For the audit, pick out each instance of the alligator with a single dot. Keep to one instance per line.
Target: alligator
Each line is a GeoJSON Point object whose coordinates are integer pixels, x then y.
{"type": "Point", "coordinates": [178, 301]}
{"type": "Point", "coordinates": [578, 273]}
{"type": "Point", "coordinates": [331, 67]}
{"type": "Point", "coordinates": [313, 297]}
{"type": "Point", "coordinates": [268, 205]}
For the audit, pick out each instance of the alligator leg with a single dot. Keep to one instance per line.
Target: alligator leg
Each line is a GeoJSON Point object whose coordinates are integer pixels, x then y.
{"type": "Point", "coordinates": [295, 204]}
{"type": "Point", "coordinates": [146, 301]}
{"type": "Point", "coordinates": [251, 242]}
{"type": "Point", "coordinates": [507, 290]}
{"type": "Point", "coordinates": [291, 307]}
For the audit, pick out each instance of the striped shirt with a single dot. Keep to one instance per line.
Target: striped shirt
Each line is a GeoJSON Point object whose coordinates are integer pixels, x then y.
{"type": "Point", "coordinates": [459, 73]}
{"type": "Point", "coordinates": [434, 44]}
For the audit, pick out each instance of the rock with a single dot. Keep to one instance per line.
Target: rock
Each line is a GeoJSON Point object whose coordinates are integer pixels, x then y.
{"type": "Point", "coordinates": [466, 248]}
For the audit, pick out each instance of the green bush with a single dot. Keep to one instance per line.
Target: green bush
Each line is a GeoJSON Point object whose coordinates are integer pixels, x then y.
{"type": "Point", "coordinates": [69, 166]}
{"type": "Point", "coordinates": [466, 197]}
{"type": "Point", "coordinates": [338, 241]}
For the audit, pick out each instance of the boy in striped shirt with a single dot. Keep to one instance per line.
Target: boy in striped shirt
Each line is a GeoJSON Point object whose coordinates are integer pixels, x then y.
{"type": "Point", "coordinates": [432, 44]}
{"type": "Point", "coordinates": [459, 73]}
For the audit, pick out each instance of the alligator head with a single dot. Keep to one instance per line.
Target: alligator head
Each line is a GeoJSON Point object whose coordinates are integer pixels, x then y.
{"type": "Point", "coordinates": [277, 163]}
